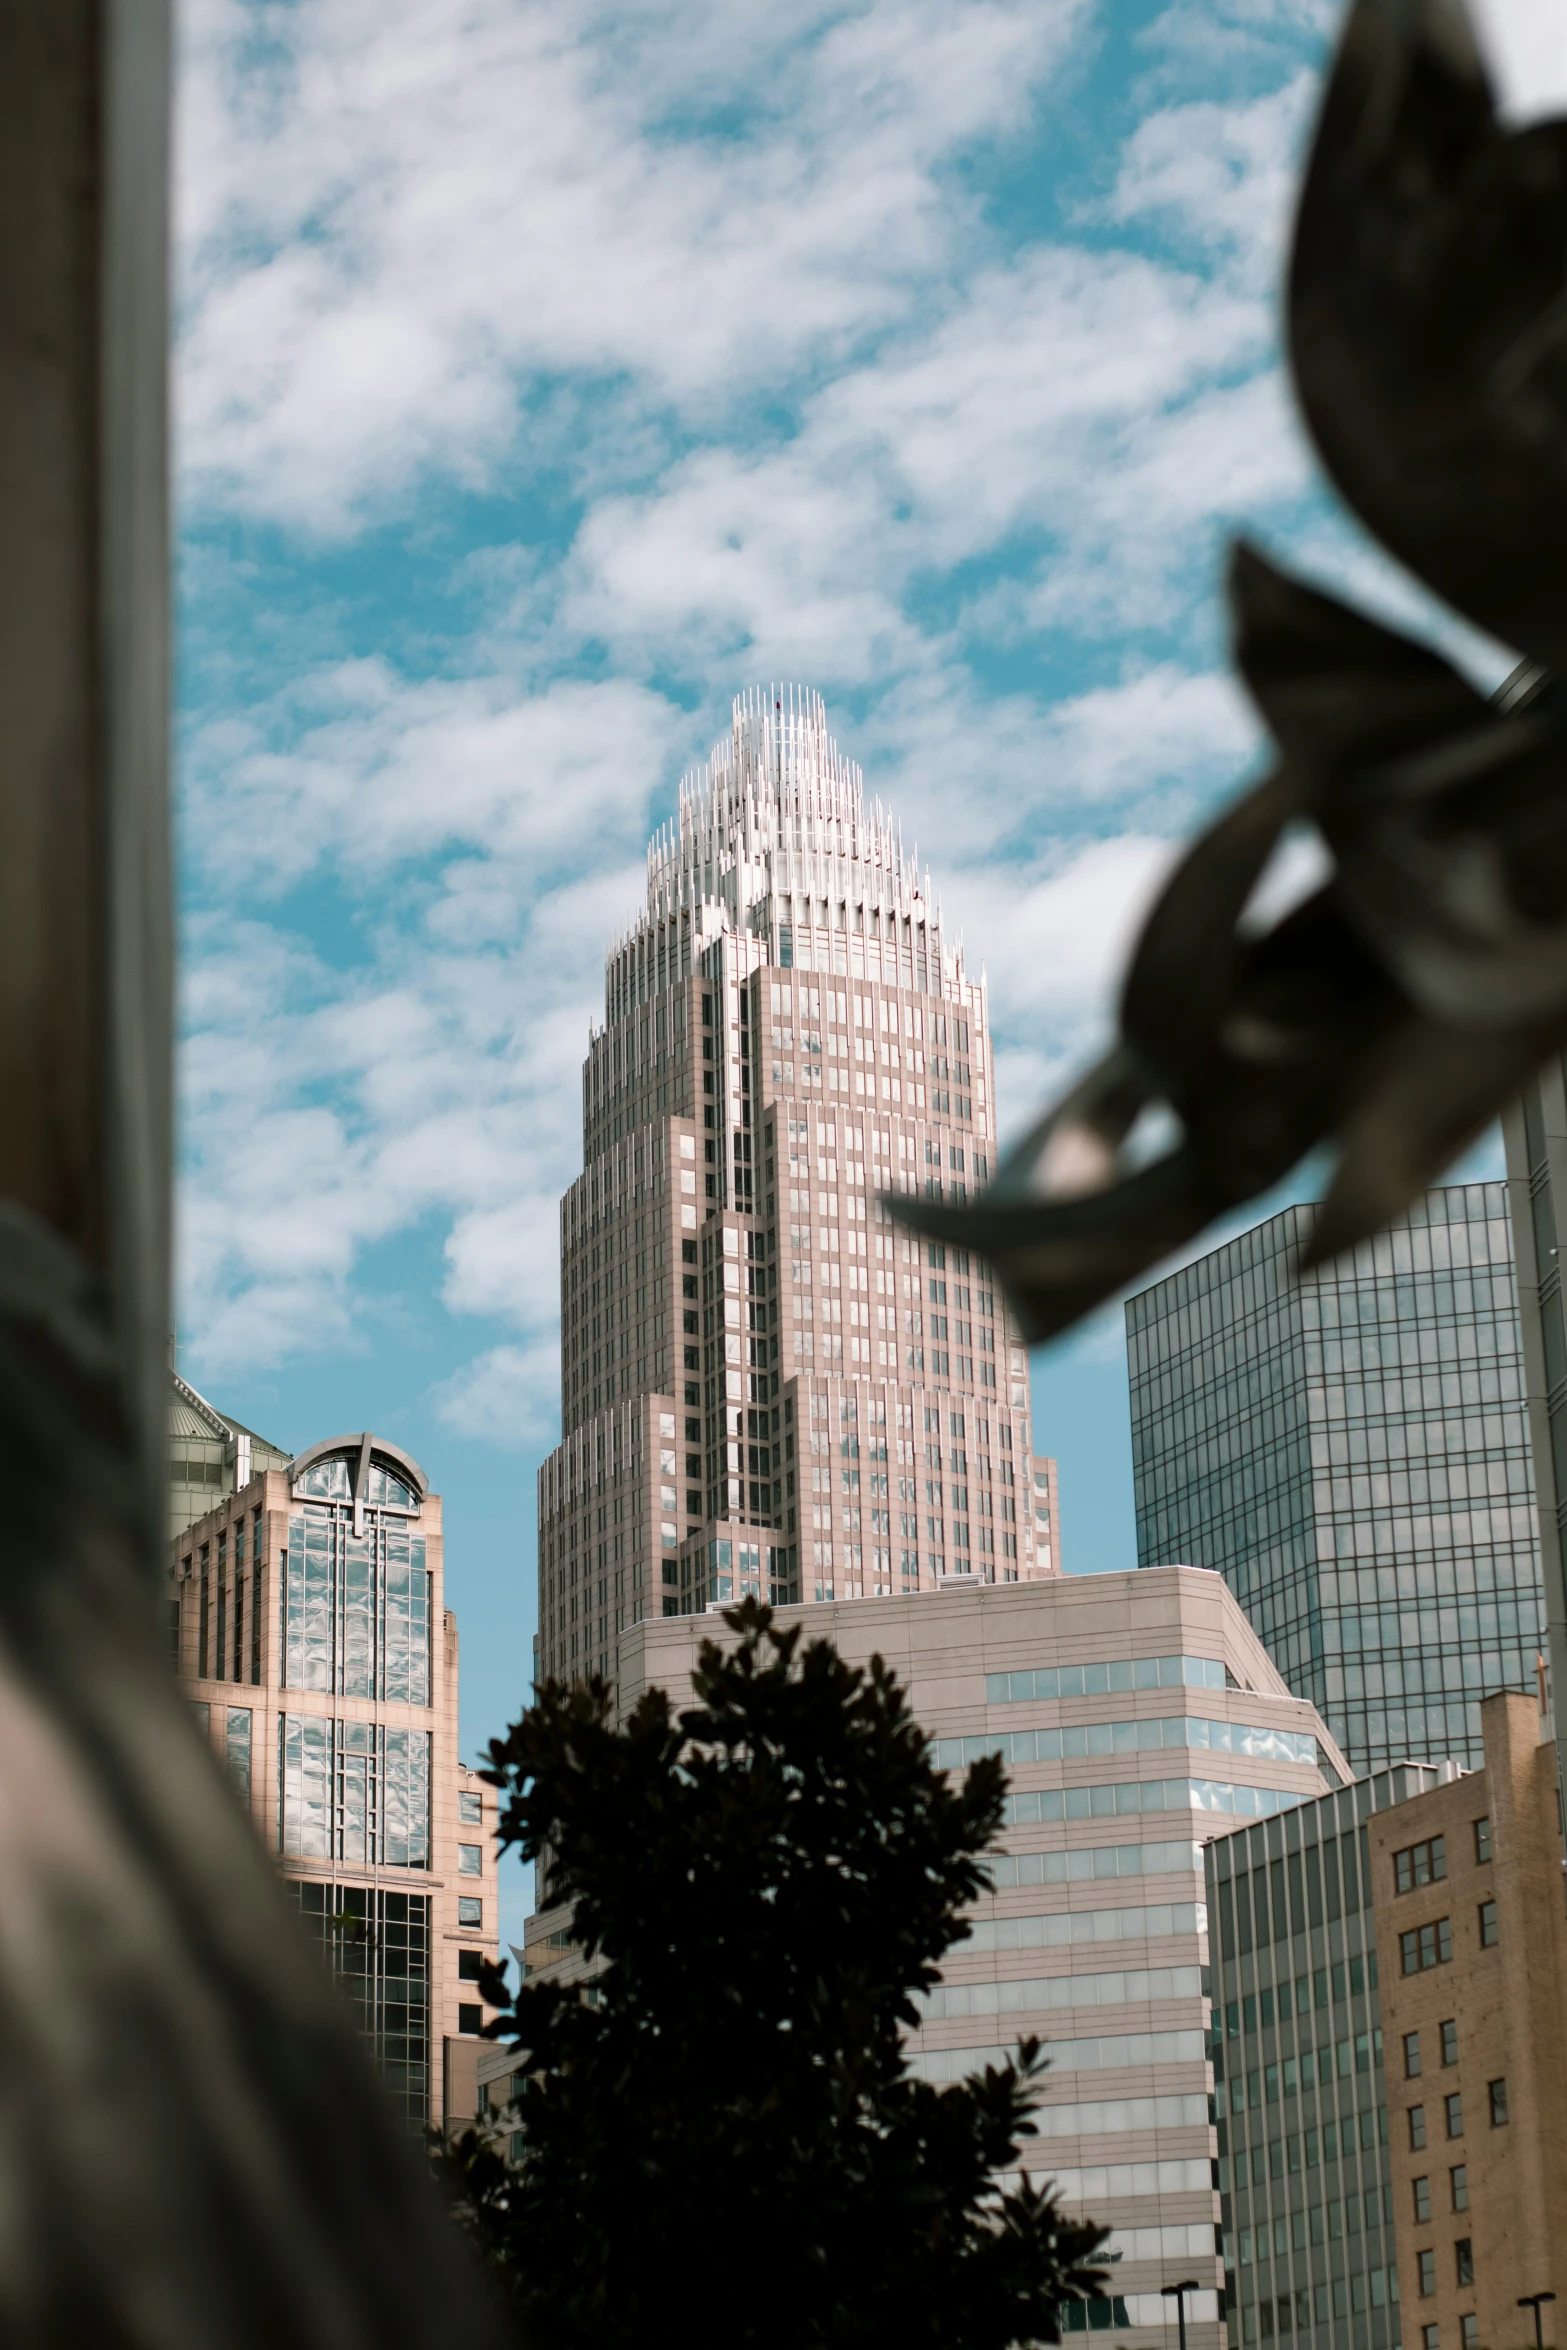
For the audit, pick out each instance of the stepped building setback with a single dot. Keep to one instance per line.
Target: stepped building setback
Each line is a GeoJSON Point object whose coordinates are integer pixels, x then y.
{"type": "Point", "coordinates": [766, 1386]}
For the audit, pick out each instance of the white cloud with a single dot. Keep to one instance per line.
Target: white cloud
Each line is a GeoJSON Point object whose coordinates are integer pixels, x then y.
{"type": "Point", "coordinates": [802, 408]}
{"type": "Point", "coordinates": [357, 765]}
{"type": "Point", "coordinates": [500, 1397]}
{"type": "Point", "coordinates": [396, 216]}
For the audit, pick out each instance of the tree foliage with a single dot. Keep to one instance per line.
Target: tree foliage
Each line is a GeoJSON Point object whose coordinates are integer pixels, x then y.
{"type": "Point", "coordinates": [728, 2127]}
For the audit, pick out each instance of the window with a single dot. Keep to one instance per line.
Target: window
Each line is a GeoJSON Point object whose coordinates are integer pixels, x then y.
{"type": "Point", "coordinates": [1469, 2330]}
{"type": "Point", "coordinates": [1430, 2338]}
{"type": "Point", "coordinates": [1422, 2194]}
{"type": "Point", "coordinates": [1417, 2127]}
{"type": "Point", "coordinates": [470, 1860]}
{"type": "Point", "coordinates": [470, 1809]}
{"type": "Point", "coordinates": [470, 2019]}
{"type": "Point", "coordinates": [1427, 2261]}
{"type": "Point", "coordinates": [1482, 1841]}
{"type": "Point", "coordinates": [1464, 2259]}
{"type": "Point", "coordinates": [468, 1965]}
{"type": "Point", "coordinates": [1420, 1864]}
{"type": "Point", "coordinates": [1411, 2056]}
{"type": "Point", "coordinates": [1458, 2180]}
{"type": "Point", "coordinates": [470, 1910]}
{"type": "Point", "coordinates": [1489, 1937]}
{"type": "Point", "coordinates": [1453, 2108]}
{"type": "Point", "coordinates": [1426, 1946]}
{"type": "Point", "coordinates": [1450, 2041]}
{"type": "Point", "coordinates": [1498, 2095]}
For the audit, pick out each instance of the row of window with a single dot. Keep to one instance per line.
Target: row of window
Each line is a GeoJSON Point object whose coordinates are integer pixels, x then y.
{"type": "Point", "coordinates": [1317, 2223]}
{"type": "Point", "coordinates": [1064, 1927]}
{"type": "Point", "coordinates": [1453, 2114]}
{"type": "Point", "coordinates": [1468, 2334]}
{"type": "Point", "coordinates": [1457, 2191]}
{"type": "Point", "coordinates": [1364, 2129]}
{"type": "Point", "coordinates": [1341, 2297]}
{"type": "Point", "coordinates": [1346, 1979]}
{"type": "Point", "coordinates": [1426, 1863]}
{"type": "Point", "coordinates": [1074, 1739]}
{"type": "Point", "coordinates": [1145, 1795]}
{"type": "Point", "coordinates": [1334, 2060]}
{"type": "Point", "coordinates": [1109, 1678]}
{"type": "Point", "coordinates": [1463, 2265]}
{"type": "Point", "coordinates": [1127, 2051]}
{"type": "Point", "coordinates": [1432, 1945]}
{"type": "Point", "coordinates": [1099, 1860]}
{"type": "Point", "coordinates": [1046, 1991]}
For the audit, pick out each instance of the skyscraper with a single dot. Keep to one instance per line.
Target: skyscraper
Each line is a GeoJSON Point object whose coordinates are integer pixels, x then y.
{"type": "Point", "coordinates": [765, 1386]}
{"type": "Point", "coordinates": [1350, 1449]}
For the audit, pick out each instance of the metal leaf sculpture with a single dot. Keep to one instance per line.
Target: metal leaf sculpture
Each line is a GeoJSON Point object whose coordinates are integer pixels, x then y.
{"type": "Point", "coordinates": [1396, 1012]}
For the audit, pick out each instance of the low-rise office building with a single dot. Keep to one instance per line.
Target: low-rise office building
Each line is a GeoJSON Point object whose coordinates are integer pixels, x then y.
{"type": "Point", "coordinates": [1299, 2095]}
{"type": "Point", "coordinates": [1472, 1952]}
{"type": "Point", "coordinates": [1138, 1715]}
{"type": "Point", "coordinates": [307, 1621]}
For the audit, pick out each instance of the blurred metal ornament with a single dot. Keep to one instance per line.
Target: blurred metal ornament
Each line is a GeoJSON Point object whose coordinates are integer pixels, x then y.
{"type": "Point", "coordinates": [1394, 1013]}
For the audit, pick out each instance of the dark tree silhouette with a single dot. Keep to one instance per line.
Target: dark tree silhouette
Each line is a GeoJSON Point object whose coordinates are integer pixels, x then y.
{"type": "Point", "coordinates": [728, 2134]}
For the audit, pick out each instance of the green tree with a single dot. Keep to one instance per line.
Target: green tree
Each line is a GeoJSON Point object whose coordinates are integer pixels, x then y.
{"type": "Point", "coordinates": [726, 2138]}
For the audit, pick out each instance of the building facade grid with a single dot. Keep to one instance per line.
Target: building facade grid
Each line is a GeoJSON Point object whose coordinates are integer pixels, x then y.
{"type": "Point", "coordinates": [1349, 1448]}
{"type": "Point", "coordinates": [766, 1386]}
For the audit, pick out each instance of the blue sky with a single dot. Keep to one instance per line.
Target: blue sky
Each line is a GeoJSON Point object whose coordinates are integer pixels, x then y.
{"type": "Point", "coordinates": [549, 374]}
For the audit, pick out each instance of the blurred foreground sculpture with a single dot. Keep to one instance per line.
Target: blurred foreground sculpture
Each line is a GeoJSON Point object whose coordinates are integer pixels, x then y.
{"type": "Point", "coordinates": [193, 2149]}
{"type": "Point", "coordinates": [1394, 1013]}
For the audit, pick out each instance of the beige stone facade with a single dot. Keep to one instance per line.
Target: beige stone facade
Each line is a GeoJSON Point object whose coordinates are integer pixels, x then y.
{"type": "Point", "coordinates": [766, 1385]}
{"type": "Point", "coordinates": [1139, 1715]}
{"type": "Point", "coordinates": [1472, 1959]}
{"type": "Point", "coordinates": [307, 1621]}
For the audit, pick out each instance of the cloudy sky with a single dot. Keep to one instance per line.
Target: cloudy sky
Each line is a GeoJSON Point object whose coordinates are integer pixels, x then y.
{"type": "Point", "coordinates": [549, 373]}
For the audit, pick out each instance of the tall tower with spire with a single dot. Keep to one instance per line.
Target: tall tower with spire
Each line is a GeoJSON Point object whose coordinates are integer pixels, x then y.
{"type": "Point", "coordinates": [766, 1386]}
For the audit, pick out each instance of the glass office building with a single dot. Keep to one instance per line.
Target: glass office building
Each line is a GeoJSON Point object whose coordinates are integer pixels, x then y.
{"type": "Point", "coordinates": [1350, 1450]}
{"type": "Point", "coordinates": [1535, 1131]}
{"type": "Point", "coordinates": [1299, 2090]}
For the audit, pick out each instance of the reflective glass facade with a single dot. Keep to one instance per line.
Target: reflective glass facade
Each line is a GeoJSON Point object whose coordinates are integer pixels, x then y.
{"type": "Point", "coordinates": [356, 1607]}
{"type": "Point", "coordinates": [353, 1791]}
{"type": "Point", "coordinates": [1350, 1450]}
{"type": "Point", "coordinates": [378, 1946]}
{"type": "Point", "coordinates": [1535, 1129]}
{"type": "Point", "coordinates": [1299, 2088]}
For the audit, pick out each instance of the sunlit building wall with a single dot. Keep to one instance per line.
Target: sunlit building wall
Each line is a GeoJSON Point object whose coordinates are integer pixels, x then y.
{"type": "Point", "coordinates": [307, 1621]}
{"type": "Point", "coordinates": [766, 1386]}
